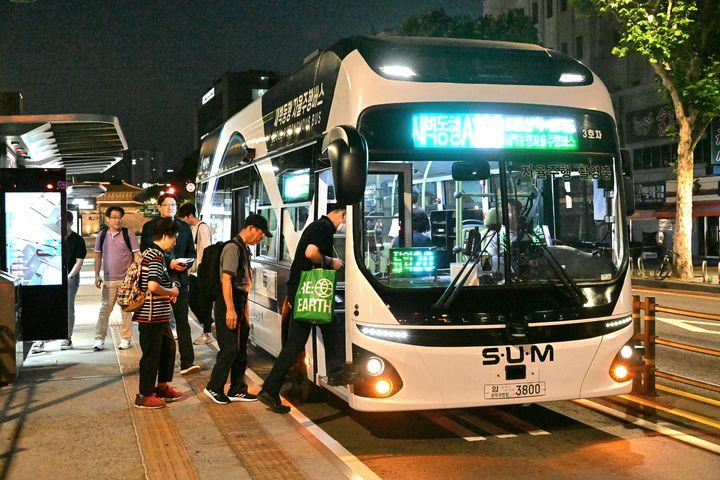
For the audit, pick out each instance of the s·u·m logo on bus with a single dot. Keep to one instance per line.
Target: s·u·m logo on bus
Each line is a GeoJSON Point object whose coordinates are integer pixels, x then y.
{"type": "Point", "coordinates": [513, 355]}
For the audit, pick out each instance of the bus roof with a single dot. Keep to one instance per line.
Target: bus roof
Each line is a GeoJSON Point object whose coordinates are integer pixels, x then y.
{"type": "Point", "coordinates": [465, 61]}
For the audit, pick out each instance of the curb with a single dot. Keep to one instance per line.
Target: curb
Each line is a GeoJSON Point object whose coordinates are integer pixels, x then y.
{"type": "Point", "coordinates": [671, 285]}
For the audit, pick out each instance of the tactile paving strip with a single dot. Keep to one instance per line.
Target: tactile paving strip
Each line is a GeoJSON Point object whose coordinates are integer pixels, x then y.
{"type": "Point", "coordinates": [261, 455]}
{"type": "Point", "coordinates": [164, 454]}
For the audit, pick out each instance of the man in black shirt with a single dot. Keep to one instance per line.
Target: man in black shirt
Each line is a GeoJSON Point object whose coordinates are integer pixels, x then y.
{"type": "Point", "coordinates": [73, 253]}
{"type": "Point", "coordinates": [313, 250]}
{"type": "Point", "coordinates": [184, 248]}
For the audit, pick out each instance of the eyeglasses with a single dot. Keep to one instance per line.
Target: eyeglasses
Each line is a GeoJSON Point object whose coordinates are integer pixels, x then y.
{"type": "Point", "coordinates": [115, 218]}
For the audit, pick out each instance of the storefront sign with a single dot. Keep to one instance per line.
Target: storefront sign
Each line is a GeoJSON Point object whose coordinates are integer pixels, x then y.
{"type": "Point", "coordinates": [650, 124]}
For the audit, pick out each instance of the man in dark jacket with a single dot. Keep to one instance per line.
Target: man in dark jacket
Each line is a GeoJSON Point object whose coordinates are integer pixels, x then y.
{"type": "Point", "coordinates": [184, 250]}
{"type": "Point", "coordinates": [314, 250]}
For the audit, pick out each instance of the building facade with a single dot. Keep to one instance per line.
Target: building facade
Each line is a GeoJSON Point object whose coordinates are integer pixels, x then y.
{"type": "Point", "coordinates": [229, 94]}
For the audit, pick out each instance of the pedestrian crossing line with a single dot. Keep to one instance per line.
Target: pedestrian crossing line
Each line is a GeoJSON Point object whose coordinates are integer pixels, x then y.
{"type": "Point", "coordinates": [162, 450]}
{"type": "Point", "coordinates": [454, 427]}
{"type": "Point", "coordinates": [515, 421]}
{"type": "Point", "coordinates": [483, 425]}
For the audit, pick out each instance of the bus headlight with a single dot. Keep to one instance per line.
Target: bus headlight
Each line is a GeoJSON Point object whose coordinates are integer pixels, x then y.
{"type": "Point", "coordinates": [374, 366]}
{"type": "Point", "coordinates": [626, 363]}
{"type": "Point", "coordinates": [626, 352]}
{"type": "Point", "coordinates": [374, 376]}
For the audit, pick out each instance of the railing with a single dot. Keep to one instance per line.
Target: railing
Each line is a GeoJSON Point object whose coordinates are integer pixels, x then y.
{"type": "Point", "coordinates": [645, 332]}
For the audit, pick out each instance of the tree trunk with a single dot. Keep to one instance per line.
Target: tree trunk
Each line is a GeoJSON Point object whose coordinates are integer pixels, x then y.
{"type": "Point", "coordinates": [682, 239]}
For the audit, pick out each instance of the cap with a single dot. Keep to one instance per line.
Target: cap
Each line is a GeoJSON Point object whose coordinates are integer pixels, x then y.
{"type": "Point", "coordinates": [258, 221]}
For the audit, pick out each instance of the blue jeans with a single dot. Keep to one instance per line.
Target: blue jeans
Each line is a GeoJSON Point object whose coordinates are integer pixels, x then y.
{"type": "Point", "coordinates": [73, 285]}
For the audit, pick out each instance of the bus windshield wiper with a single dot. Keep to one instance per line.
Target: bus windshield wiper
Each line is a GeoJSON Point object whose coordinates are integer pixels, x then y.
{"type": "Point", "coordinates": [452, 290]}
{"type": "Point", "coordinates": [573, 290]}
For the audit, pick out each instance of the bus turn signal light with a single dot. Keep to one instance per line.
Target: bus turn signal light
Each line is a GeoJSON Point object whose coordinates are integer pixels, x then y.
{"type": "Point", "coordinates": [383, 387]}
{"type": "Point", "coordinates": [620, 373]}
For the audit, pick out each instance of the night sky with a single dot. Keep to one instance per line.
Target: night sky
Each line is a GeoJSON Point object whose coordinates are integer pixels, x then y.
{"type": "Point", "coordinates": [148, 61]}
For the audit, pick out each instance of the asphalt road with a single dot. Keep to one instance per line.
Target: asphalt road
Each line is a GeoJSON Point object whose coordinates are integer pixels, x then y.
{"type": "Point", "coordinates": [554, 440]}
{"type": "Point", "coordinates": [693, 331]}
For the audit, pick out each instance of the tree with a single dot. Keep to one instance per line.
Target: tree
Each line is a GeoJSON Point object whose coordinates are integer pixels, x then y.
{"type": "Point", "coordinates": [513, 26]}
{"type": "Point", "coordinates": [680, 39]}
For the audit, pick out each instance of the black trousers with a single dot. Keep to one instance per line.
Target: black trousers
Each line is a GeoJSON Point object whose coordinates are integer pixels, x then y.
{"type": "Point", "coordinates": [184, 340]}
{"type": "Point", "coordinates": [298, 335]}
{"type": "Point", "coordinates": [232, 357]}
{"type": "Point", "coordinates": [158, 355]}
{"type": "Point", "coordinates": [200, 307]}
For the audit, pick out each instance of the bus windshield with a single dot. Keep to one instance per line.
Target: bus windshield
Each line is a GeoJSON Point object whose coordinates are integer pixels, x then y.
{"type": "Point", "coordinates": [529, 216]}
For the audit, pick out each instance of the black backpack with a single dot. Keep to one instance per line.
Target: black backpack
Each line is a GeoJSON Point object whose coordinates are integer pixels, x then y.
{"type": "Point", "coordinates": [208, 274]}
{"type": "Point", "coordinates": [125, 234]}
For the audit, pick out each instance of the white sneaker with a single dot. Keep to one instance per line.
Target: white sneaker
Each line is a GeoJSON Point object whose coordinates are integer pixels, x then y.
{"type": "Point", "coordinates": [124, 344]}
{"type": "Point", "coordinates": [203, 339]}
{"type": "Point", "coordinates": [37, 347]}
{"type": "Point", "coordinates": [99, 344]}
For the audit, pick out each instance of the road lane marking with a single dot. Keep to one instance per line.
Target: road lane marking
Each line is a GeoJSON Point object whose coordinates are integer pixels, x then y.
{"type": "Point", "coordinates": [517, 422]}
{"type": "Point", "coordinates": [483, 425]}
{"type": "Point", "coordinates": [454, 427]}
{"type": "Point", "coordinates": [692, 396]}
{"type": "Point", "coordinates": [669, 432]}
{"type": "Point", "coordinates": [673, 411]}
{"type": "Point", "coordinates": [687, 325]}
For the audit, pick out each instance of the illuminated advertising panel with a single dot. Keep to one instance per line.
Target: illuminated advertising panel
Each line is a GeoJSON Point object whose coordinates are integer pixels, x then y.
{"type": "Point", "coordinates": [481, 130]}
{"type": "Point", "coordinates": [33, 237]}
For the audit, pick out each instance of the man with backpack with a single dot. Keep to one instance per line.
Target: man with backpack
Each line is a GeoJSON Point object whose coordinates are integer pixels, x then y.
{"type": "Point", "coordinates": [178, 260]}
{"type": "Point", "coordinates": [232, 313]}
{"type": "Point", "coordinates": [201, 307]}
{"type": "Point", "coordinates": [115, 249]}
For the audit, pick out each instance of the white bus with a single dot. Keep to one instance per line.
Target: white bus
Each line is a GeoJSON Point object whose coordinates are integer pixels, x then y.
{"type": "Point", "coordinates": [486, 248]}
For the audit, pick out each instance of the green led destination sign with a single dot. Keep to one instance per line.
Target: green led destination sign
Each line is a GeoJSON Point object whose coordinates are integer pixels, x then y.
{"type": "Point", "coordinates": [481, 130]}
{"type": "Point", "coordinates": [412, 261]}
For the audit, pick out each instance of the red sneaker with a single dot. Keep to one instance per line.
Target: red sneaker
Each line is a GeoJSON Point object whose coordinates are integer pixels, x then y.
{"type": "Point", "coordinates": [149, 401]}
{"type": "Point", "coordinates": [168, 393]}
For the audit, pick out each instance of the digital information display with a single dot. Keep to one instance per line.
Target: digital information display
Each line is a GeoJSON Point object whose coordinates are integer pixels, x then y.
{"type": "Point", "coordinates": [412, 262]}
{"type": "Point", "coordinates": [477, 130]}
{"type": "Point", "coordinates": [33, 237]}
{"type": "Point", "coordinates": [296, 186]}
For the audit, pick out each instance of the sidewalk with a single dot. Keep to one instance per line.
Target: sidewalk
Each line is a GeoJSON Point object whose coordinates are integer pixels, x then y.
{"type": "Point", "coordinates": [696, 284]}
{"type": "Point", "coordinates": [70, 415]}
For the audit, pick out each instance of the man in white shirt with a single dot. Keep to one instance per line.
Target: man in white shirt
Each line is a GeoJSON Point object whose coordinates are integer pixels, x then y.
{"type": "Point", "coordinates": [202, 236]}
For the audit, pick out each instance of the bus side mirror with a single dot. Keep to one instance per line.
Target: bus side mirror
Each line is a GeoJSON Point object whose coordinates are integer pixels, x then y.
{"type": "Point", "coordinates": [629, 195]}
{"type": "Point", "coordinates": [348, 154]}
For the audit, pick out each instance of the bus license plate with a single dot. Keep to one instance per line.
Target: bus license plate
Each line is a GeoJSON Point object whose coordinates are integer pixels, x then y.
{"type": "Point", "coordinates": [515, 390]}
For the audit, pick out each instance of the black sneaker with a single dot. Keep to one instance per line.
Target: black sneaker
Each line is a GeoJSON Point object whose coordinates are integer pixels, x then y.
{"type": "Point", "coordinates": [272, 401]}
{"type": "Point", "coordinates": [242, 397]}
{"type": "Point", "coordinates": [217, 397]}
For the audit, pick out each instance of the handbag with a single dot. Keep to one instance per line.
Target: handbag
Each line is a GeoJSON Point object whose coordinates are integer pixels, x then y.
{"type": "Point", "coordinates": [315, 296]}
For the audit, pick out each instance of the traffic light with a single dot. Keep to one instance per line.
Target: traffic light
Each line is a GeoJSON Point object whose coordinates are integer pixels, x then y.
{"type": "Point", "coordinates": [171, 190]}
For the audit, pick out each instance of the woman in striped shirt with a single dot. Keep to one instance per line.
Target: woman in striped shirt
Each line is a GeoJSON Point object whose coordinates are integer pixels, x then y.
{"type": "Point", "coordinates": [156, 339]}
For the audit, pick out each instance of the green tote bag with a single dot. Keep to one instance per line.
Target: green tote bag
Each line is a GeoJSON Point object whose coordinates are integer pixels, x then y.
{"type": "Point", "coordinates": [315, 296]}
